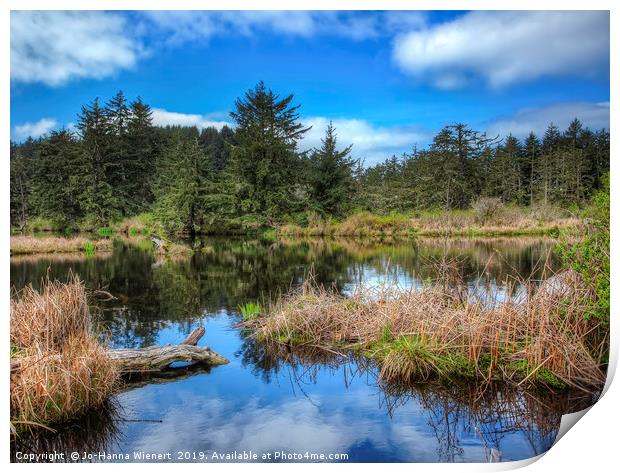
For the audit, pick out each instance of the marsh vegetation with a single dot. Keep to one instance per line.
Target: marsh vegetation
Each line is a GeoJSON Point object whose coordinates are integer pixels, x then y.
{"type": "Point", "coordinates": [59, 368]}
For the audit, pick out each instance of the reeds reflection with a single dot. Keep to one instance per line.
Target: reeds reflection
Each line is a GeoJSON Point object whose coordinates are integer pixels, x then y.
{"type": "Point", "coordinates": [489, 411]}
{"type": "Point", "coordinates": [97, 431]}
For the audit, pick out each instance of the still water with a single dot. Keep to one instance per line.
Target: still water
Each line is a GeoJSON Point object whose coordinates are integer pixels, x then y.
{"type": "Point", "coordinates": [285, 404]}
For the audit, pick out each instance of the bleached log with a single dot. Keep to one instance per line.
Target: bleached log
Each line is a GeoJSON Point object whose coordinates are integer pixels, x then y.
{"type": "Point", "coordinates": [194, 337]}
{"type": "Point", "coordinates": [155, 358]}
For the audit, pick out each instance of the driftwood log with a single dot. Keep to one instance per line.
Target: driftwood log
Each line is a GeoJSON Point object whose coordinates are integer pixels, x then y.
{"type": "Point", "coordinates": [194, 337]}
{"type": "Point", "coordinates": [158, 358]}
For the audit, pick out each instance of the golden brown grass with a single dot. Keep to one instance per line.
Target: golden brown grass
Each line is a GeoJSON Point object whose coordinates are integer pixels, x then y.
{"type": "Point", "coordinates": [176, 250]}
{"type": "Point", "coordinates": [59, 370]}
{"type": "Point", "coordinates": [139, 225]}
{"type": "Point", "coordinates": [58, 257]}
{"type": "Point", "coordinates": [509, 222]}
{"type": "Point", "coordinates": [418, 334]}
{"type": "Point", "coordinates": [51, 244]}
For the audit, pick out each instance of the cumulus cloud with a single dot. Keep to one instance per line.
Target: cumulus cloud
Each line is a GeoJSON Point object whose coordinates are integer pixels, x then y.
{"type": "Point", "coordinates": [36, 129]}
{"type": "Point", "coordinates": [293, 425]}
{"type": "Point", "coordinates": [163, 117]}
{"type": "Point", "coordinates": [504, 47]}
{"type": "Point", "coordinates": [54, 47]}
{"type": "Point", "coordinates": [593, 115]}
{"type": "Point", "coordinates": [373, 143]}
{"type": "Point", "coordinates": [182, 26]}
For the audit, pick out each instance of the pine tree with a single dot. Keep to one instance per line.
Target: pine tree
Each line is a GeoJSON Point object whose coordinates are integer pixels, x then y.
{"type": "Point", "coordinates": [58, 193]}
{"type": "Point", "coordinates": [265, 158]}
{"type": "Point", "coordinates": [448, 182]}
{"type": "Point", "coordinates": [181, 186]}
{"type": "Point", "coordinates": [549, 163]}
{"type": "Point", "coordinates": [140, 157]}
{"type": "Point", "coordinates": [116, 114]}
{"type": "Point", "coordinates": [506, 172]}
{"type": "Point", "coordinates": [532, 153]}
{"type": "Point", "coordinates": [216, 144]}
{"type": "Point", "coordinates": [331, 176]}
{"type": "Point", "coordinates": [97, 168]}
{"type": "Point", "coordinates": [575, 162]}
{"type": "Point", "coordinates": [21, 185]}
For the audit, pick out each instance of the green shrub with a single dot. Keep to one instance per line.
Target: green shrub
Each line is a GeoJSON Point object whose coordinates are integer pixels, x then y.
{"type": "Point", "coordinates": [590, 257]}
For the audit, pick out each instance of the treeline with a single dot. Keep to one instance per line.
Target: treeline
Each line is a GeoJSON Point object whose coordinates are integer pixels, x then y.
{"type": "Point", "coordinates": [462, 165]}
{"type": "Point", "coordinates": [117, 164]}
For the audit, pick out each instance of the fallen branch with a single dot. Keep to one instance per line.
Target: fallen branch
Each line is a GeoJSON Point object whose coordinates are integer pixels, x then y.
{"type": "Point", "coordinates": [156, 358]}
{"type": "Point", "coordinates": [194, 337]}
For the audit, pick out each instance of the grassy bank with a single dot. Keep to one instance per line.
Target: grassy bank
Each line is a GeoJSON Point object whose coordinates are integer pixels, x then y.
{"type": "Point", "coordinates": [486, 218]}
{"type": "Point", "coordinates": [438, 333]}
{"type": "Point", "coordinates": [24, 245]}
{"type": "Point", "coordinates": [468, 223]}
{"type": "Point", "coordinates": [59, 370]}
{"type": "Point", "coordinates": [80, 246]}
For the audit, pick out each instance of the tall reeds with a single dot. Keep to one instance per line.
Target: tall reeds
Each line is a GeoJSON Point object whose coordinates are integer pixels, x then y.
{"type": "Point", "coordinates": [509, 222]}
{"type": "Point", "coordinates": [59, 369]}
{"type": "Point", "coordinates": [21, 245]}
{"type": "Point", "coordinates": [538, 336]}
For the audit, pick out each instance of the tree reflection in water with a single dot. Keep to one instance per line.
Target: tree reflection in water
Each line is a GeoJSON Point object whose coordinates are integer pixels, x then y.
{"type": "Point", "coordinates": [152, 294]}
{"type": "Point", "coordinates": [488, 410]}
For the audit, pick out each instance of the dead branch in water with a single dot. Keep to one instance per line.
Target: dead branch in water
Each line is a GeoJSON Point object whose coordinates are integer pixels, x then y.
{"type": "Point", "coordinates": [149, 359]}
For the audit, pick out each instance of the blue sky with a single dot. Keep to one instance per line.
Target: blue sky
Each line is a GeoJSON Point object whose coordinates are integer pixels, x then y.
{"type": "Point", "coordinates": [388, 80]}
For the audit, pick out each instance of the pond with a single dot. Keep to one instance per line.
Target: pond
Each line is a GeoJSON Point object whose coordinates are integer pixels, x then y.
{"type": "Point", "coordinates": [292, 406]}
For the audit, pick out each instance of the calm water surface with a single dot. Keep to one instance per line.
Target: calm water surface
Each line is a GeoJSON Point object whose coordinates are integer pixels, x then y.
{"type": "Point", "coordinates": [265, 402]}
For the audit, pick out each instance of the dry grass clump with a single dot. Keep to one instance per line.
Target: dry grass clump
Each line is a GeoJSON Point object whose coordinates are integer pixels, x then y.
{"type": "Point", "coordinates": [58, 368]}
{"type": "Point", "coordinates": [50, 244]}
{"type": "Point", "coordinates": [487, 208]}
{"type": "Point", "coordinates": [63, 258]}
{"type": "Point", "coordinates": [484, 221]}
{"type": "Point", "coordinates": [360, 224]}
{"type": "Point", "coordinates": [365, 223]}
{"type": "Point", "coordinates": [489, 217]}
{"type": "Point", "coordinates": [139, 225]}
{"type": "Point", "coordinates": [416, 334]}
{"type": "Point", "coordinates": [176, 250]}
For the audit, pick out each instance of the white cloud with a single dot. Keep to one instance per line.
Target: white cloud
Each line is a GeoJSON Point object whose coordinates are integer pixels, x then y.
{"type": "Point", "coordinates": [182, 26]}
{"type": "Point", "coordinates": [54, 47]}
{"type": "Point", "coordinates": [36, 129]}
{"type": "Point", "coordinates": [374, 143]}
{"type": "Point", "coordinates": [163, 117]}
{"type": "Point", "coordinates": [593, 115]}
{"type": "Point", "coordinates": [370, 142]}
{"type": "Point", "coordinates": [504, 47]}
